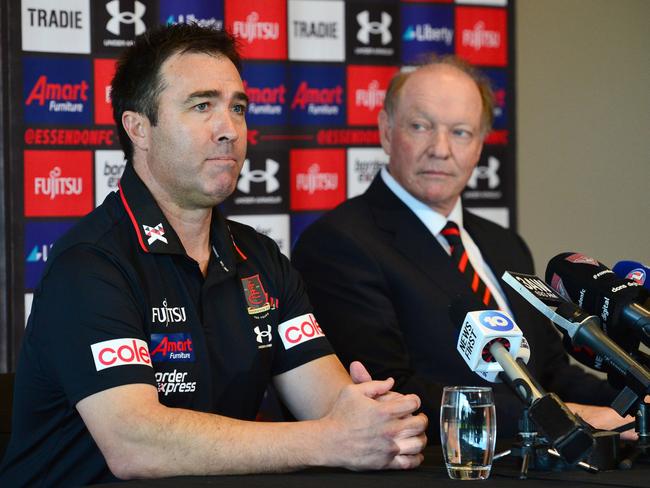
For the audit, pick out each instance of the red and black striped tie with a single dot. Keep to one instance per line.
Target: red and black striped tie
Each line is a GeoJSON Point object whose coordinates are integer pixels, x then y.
{"type": "Point", "coordinates": [460, 257]}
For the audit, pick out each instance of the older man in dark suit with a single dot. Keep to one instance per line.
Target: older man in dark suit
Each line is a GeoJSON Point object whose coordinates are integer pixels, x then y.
{"type": "Point", "coordinates": [383, 268]}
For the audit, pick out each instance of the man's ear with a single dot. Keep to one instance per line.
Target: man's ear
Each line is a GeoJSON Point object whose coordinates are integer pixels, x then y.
{"type": "Point", "coordinates": [137, 127]}
{"type": "Point", "coordinates": [384, 130]}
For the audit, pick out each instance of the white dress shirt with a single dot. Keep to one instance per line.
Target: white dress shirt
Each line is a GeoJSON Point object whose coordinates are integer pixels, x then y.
{"type": "Point", "coordinates": [435, 222]}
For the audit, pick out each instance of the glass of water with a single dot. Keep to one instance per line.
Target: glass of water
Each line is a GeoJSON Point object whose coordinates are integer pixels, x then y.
{"type": "Point", "coordinates": [468, 431]}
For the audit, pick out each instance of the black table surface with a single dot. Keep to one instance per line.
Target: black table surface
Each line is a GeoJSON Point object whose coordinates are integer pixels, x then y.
{"type": "Point", "coordinates": [505, 473]}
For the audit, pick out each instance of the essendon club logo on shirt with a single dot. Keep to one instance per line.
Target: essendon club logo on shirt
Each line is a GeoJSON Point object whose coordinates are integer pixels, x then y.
{"type": "Point", "coordinates": [120, 352]}
{"type": "Point", "coordinates": [58, 183]}
{"type": "Point", "coordinates": [366, 92]}
{"type": "Point", "coordinates": [256, 297]}
{"type": "Point", "coordinates": [299, 330]}
{"type": "Point", "coordinates": [481, 35]}
{"type": "Point", "coordinates": [104, 71]}
{"type": "Point", "coordinates": [317, 178]}
{"type": "Point", "coordinates": [261, 27]}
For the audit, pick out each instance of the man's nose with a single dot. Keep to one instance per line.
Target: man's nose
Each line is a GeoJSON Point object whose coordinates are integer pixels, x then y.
{"type": "Point", "coordinates": [439, 144]}
{"type": "Point", "coordinates": [225, 128]}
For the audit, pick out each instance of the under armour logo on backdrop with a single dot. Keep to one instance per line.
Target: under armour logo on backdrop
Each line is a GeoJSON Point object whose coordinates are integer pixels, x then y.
{"type": "Point", "coordinates": [118, 17]}
{"type": "Point", "coordinates": [259, 176]}
{"type": "Point", "coordinates": [368, 27]}
{"type": "Point", "coordinates": [489, 173]}
{"type": "Point", "coordinates": [154, 233]}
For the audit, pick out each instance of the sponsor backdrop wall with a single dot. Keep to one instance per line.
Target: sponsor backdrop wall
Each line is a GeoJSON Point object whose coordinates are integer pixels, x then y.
{"type": "Point", "coordinates": [315, 71]}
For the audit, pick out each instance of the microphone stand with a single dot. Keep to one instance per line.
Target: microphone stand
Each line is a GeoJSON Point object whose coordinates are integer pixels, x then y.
{"type": "Point", "coordinates": [642, 445]}
{"type": "Point", "coordinates": [534, 450]}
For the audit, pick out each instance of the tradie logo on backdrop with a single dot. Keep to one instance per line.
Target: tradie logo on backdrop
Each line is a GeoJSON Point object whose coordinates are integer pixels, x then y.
{"type": "Point", "coordinates": [58, 183]}
{"type": "Point", "coordinates": [60, 28]}
{"type": "Point", "coordinates": [367, 87]}
{"type": "Point", "coordinates": [261, 26]}
{"type": "Point", "coordinates": [482, 35]}
{"type": "Point", "coordinates": [317, 30]}
{"type": "Point", "coordinates": [205, 14]}
{"type": "Point", "coordinates": [57, 91]}
{"type": "Point", "coordinates": [317, 178]}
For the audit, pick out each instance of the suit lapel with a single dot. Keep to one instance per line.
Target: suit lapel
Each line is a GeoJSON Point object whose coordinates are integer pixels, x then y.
{"type": "Point", "coordinates": [412, 239]}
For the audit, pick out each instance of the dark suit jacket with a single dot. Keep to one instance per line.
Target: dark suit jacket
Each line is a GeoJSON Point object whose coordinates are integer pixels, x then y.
{"type": "Point", "coordinates": [381, 286]}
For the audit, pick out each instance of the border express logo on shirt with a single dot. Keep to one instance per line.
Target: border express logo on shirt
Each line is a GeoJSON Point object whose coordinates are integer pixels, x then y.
{"type": "Point", "coordinates": [481, 35]}
{"type": "Point", "coordinates": [205, 14]}
{"type": "Point", "coordinates": [58, 183]}
{"type": "Point", "coordinates": [367, 87]}
{"type": "Point", "coordinates": [261, 26]}
{"type": "Point", "coordinates": [57, 91]}
{"type": "Point", "coordinates": [316, 30]}
{"type": "Point", "coordinates": [56, 27]}
{"type": "Point", "coordinates": [39, 239]}
{"type": "Point", "coordinates": [317, 95]}
{"type": "Point", "coordinates": [266, 89]}
{"type": "Point", "coordinates": [426, 29]}
{"type": "Point", "coordinates": [317, 178]}
{"type": "Point", "coordinates": [174, 348]}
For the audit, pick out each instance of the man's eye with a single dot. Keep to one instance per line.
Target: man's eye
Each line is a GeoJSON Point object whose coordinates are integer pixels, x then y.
{"type": "Point", "coordinates": [202, 107]}
{"type": "Point", "coordinates": [239, 108]}
{"type": "Point", "coordinates": [462, 133]}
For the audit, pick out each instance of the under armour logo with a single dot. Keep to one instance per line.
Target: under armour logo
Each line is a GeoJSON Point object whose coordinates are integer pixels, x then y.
{"type": "Point", "coordinates": [118, 17]}
{"type": "Point", "coordinates": [263, 335]}
{"type": "Point", "coordinates": [154, 233]}
{"type": "Point", "coordinates": [368, 27]}
{"type": "Point", "coordinates": [259, 176]}
{"type": "Point", "coordinates": [489, 173]}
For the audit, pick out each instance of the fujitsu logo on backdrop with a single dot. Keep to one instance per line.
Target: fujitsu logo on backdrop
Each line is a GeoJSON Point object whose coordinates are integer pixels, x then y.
{"type": "Point", "coordinates": [372, 97]}
{"type": "Point", "coordinates": [55, 184]}
{"type": "Point", "coordinates": [479, 37]}
{"type": "Point", "coordinates": [252, 29]}
{"type": "Point", "coordinates": [313, 180]}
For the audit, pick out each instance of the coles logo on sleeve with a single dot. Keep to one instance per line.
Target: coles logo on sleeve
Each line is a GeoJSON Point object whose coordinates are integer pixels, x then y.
{"type": "Point", "coordinates": [299, 330]}
{"type": "Point", "coordinates": [58, 183]}
{"type": "Point", "coordinates": [367, 87]}
{"type": "Point", "coordinates": [317, 95]}
{"type": "Point", "coordinates": [57, 90]}
{"type": "Point", "coordinates": [261, 26]}
{"type": "Point", "coordinates": [317, 178]}
{"type": "Point", "coordinates": [104, 71]}
{"type": "Point", "coordinates": [120, 352]}
{"type": "Point", "coordinates": [172, 348]}
{"type": "Point", "coordinates": [61, 27]}
{"type": "Point", "coordinates": [481, 35]}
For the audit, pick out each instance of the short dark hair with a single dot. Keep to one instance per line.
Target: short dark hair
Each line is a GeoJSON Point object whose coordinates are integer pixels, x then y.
{"type": "Point", "coordinates": [137, 83]}
{"type": "Point", "coordinates": [482, 83]}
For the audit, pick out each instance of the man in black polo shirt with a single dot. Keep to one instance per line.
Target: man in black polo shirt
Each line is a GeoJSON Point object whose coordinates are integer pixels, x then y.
{"type": "Point", "coordinates": [158, 324]}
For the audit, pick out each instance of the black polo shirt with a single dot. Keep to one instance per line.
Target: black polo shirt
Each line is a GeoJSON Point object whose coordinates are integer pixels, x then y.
{"type": "Point", "coordinates": [120, 302]}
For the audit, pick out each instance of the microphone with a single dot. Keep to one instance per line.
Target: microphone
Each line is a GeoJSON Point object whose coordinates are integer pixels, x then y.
{"type": "Point", "coordinates": [583, 331]}
{"type": "Point", "coordinates": [597, 289]}
{"type": "Point", "coordinates": [633, 270]}
{"type": "Point", "coordinates": [489, 341]}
